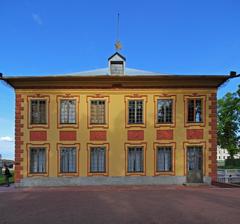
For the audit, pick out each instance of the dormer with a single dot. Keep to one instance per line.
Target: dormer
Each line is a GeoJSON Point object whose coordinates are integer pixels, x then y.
{"type": "Point", "coordinates": [116, 64]}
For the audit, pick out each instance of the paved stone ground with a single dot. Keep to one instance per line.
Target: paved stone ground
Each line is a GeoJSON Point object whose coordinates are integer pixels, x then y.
{"type": "Point", "coordinates": [120, 204]}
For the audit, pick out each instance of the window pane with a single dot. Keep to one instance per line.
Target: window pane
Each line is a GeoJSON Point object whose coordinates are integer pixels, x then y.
{"type": "Point", "coordinates": [198, 110]}
{"type": "Point", "coordinates": [68, 111]}
{"type": "Point", "coordinates": [98, 159]}
{"type": "Point", "coordinates": [164, 159]}
{"type": "Point", "coordinates": [190, 110]}
{"type": "Point", "coordinates": [135, 159]}
{"type": "Point", "coordinates": [38, 111]}
{"type": "Point", "coordinates": [37, 160]}
{"type": "Point", "coordinates": [67, 160]}
{"type": "Point", "coordinates": [135, 111]}
{"type": "Point", "coordinates": [195, 110]}
{"type": "Point", "coordinates": [117, 68]}
{"type": "Point", "coordinates": [97, 114]}
{"type": "Point", "coordinates": [164, 110]}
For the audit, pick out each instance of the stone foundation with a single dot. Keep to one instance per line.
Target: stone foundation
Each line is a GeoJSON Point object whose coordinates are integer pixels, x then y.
{"type": "Point", "coordinates": [78, 181]}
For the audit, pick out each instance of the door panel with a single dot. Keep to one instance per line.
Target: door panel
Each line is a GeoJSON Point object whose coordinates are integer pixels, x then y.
{"type": "Point", "coordinates": [194, 164]}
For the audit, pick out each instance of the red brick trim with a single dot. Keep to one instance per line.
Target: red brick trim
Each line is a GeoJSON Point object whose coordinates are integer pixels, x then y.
{"type": "Point", "coordinates": [135, 135]}
{"type": "Point", "coordinates": [18, 137]}
{"type": "Point", "coordinates": [213, 136]}
{"type": "Point", "coordinates": [38, 135]}
{"type": "Point", "coordinates": [194, 133]}
{"type": "Point", "coordinates": [164, 135]}
{"type": "Point", "coordinates": [67, 135]}
{"type": "Point", "coordinates": [98, 136]}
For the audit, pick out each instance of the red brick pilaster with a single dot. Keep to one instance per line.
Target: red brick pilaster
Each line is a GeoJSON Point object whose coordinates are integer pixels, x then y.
{"type": "Point", "coordinates": [18, 138]}
{"type": "Point", "coordinates": [213, 136]}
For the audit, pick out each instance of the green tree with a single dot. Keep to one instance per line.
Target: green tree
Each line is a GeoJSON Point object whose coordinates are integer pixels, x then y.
{"type": "Point", "coordinates": [228, 122]}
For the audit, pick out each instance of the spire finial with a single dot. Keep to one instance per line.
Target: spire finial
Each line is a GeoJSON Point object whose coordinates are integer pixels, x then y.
{"type": "Point", "coordinates": [118, 45]}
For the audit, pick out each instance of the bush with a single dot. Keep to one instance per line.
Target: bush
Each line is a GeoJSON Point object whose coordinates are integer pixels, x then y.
{"type": "Point", "coordinates": [232, 163]}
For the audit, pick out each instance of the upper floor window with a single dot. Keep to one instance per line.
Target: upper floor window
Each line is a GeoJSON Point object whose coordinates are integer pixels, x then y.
{"type": "Point", "coordinates": [97, 115]}
{"type": "Point", "coordinates": [68, 111]}
{"type": "Point", "coordinates": [164, 110]}
{"type": "Point", "coordinates": [195, 108]}
{"type": "Point", "coordinates": [38, 111]}
{"type": "Point", "coordinates": [37, 160]}
{"type": "Point", "coordinates": [135, 111]}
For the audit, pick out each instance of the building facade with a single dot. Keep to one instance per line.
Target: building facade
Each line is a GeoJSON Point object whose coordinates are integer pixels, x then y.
{"type": "Point", "coordinates": [222, 154]}
{"type": "Point", "coordinates": [123, 127]}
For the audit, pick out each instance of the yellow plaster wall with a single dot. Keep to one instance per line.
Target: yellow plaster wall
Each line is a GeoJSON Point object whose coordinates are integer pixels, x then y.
{"type": "Point", "coordinates": [116, 133]}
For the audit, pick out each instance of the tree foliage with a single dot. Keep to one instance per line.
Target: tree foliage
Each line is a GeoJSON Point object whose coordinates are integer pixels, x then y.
{"type": "Point", "coordinates": [228, 122]}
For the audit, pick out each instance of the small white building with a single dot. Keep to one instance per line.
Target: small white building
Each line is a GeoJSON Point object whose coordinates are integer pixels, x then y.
{"type": "Point", "coordinates": [223, 154]}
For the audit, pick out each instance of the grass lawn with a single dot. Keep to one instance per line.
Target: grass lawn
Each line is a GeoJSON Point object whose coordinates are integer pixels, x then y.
{"type": "Point", "coordinates": [2, 179]}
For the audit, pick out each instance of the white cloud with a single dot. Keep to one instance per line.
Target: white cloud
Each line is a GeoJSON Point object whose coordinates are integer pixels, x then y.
{"type": "Point", "coordinates": [6, 139]}
{"type": "Point", "coordinates": [37, 18]}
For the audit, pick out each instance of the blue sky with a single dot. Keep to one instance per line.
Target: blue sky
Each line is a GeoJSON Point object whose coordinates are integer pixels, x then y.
{"type": "Point", "coordinates": [63, 36]}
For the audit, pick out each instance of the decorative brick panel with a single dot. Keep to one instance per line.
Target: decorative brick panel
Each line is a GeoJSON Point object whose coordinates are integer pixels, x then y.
{"type": "Point", "coordinates": [38, 136]}
{"type": "Point", "coordinates": [67, 135]}
{"type": "Point", "coordinates": [213, 137]}
{"type": "Point", "coordinates": [194, 133]}
{"type": "Point", "coordinates": [135, 135]}
{"type": "Point", "coordinates": [18, 138]}
{"type": "Point", "coordinates": [164, 134]}
{"type": "Point", "coordinates": [98, 136]}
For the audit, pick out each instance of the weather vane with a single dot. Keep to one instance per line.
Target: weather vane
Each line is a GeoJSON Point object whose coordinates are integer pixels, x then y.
{"type": "Point", "coordinates": [118, 45]}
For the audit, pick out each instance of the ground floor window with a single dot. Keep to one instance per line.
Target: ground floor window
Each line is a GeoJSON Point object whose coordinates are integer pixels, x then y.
{"type": "Point", "coordinates": [68, 159]}
{"type": "Point", "coordinates": [97, 159]}
{"type": "Point", "coordinates": [37, 160]}
{"type": "Point", "coordinates": [164, 158]}
{"type": "Point", "coordinates": [135, 159]}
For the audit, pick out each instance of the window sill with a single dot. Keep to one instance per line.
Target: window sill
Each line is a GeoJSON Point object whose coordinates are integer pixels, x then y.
{"type": "Point", "coordinates": [97, 174]}
{"type": "Point", "coordinates": [68, 174]}
{"type": "Point", "coordinates": [170, 125]}
{"type": "Point", "coordinates": [37, 174]}
{"type": "Point", "coordinates": [136, 174]}
{"type": "Point", "coordinates": [45, 126]}
{"type": "Point", "coordinates": [68, 125]}
{"type": "Point", "coordinates": [164, 173]}
{"type": "Point", "coordinates": [195, 124]}
{"type": "Point", "coordinates": [135, 125]}
{"type": "Point", "coordinates": [97, 126]}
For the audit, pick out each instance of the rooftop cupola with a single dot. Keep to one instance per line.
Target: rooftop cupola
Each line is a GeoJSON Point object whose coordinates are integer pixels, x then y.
{"type": "Point", "coordinates": [116, 64]}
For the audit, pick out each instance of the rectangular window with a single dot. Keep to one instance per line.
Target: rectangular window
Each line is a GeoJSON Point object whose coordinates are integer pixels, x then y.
{"type": "Point", "coordinates": [37, 160]}
{"type": "Point", "coordinates": [67, 159]}
{"type": "Point", "coordinates": [164, 110]}
{"type": "Point", "coordinates": [38, 112]}
{"type": "Point", "coordinates": [97, 159]}
{"type": "Point", "coordinates": [117, 68]}
{"type": "Point", "coordinates": [135, 160]}
{"type": "Point", "coordinates": [68, 111]}
{"type": "Point", "coordinates": [97, 112]}
{"type": "Point", "coordinates": [164, 159]}
{"type": "Point", "coordinates": [194, 110]}
{"type": "Point", "coordinates": [135, 112]}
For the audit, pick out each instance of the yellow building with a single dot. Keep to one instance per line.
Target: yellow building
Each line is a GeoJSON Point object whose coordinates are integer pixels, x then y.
{"type": "Point", "coordinates": [115, 126]}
